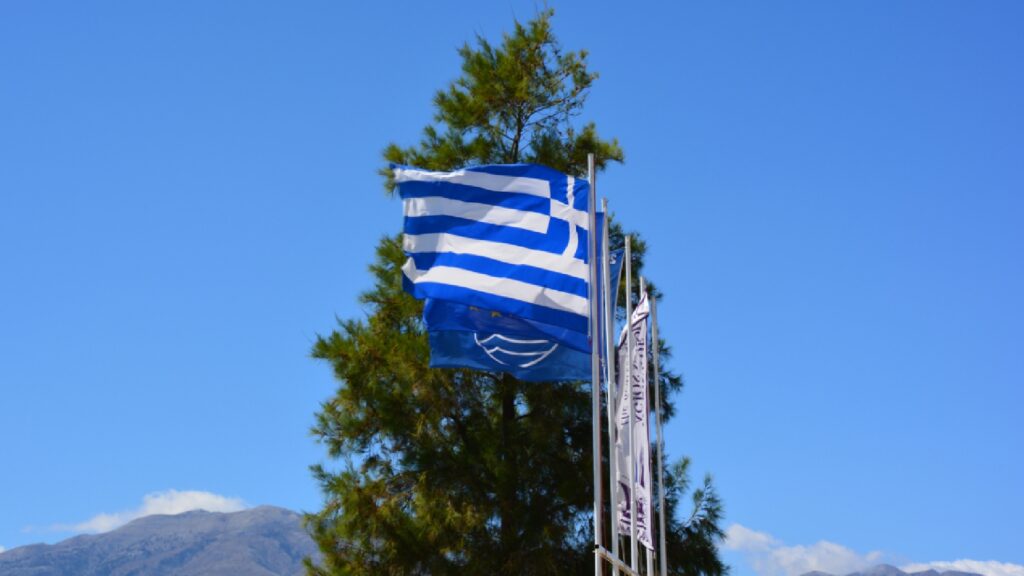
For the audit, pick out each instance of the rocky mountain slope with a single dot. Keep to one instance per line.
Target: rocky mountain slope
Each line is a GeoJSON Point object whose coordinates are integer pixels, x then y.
{"type": "Point", "coordinates": [264, 541]}
{"type": "Point", "coordinates": [887, 570]}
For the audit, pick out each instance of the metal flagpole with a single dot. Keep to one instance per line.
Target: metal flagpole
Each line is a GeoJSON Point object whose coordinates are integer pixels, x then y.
{"type": "Point", "coordinates": [595, 367]}
{"type": "Point", "coordinates": [628, 383]}
{"type": "Point", "coordinates": [609, 354]}
{"type": "Point", "coordinates": [661, 446]}
{"type": "Point", "coordinates": [648, 553]}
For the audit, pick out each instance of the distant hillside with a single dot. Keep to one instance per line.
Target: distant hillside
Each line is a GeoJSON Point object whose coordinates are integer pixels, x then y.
{"type": "Point", "coordinates": [887, 570]}
{"type": "Point", "coordinates": [264, 541]}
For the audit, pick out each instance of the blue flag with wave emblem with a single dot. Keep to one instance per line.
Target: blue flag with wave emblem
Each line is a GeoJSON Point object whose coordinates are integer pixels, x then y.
{"type": "Point", "coordinates": [532, 360]}
{"type": "Point", "coordinates": [469, 337]}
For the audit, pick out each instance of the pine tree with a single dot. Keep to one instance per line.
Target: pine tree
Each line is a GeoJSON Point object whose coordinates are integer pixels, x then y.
{"type": "Point", "coordinates": [460, 471]}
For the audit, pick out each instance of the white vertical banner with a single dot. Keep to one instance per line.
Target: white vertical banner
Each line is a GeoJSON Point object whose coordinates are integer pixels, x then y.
{"type": "Point", "coordinates": [639, 496]}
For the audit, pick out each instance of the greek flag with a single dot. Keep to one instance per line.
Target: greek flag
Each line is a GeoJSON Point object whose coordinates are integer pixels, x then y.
{"type": "Point", "coordinates": [511, 239]}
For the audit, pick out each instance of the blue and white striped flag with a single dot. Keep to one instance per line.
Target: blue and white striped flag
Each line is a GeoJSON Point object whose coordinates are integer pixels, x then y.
{"type": "Point", "coordinates": [508, 238]}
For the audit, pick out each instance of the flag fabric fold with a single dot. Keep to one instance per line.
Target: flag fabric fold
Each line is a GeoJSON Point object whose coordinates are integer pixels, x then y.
{"type": "Point", "coordinates": [441, 315]}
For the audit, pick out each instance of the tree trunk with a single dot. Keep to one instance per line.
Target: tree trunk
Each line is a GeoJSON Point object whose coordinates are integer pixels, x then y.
{"type": "Point", "coordinates": [509, 473]}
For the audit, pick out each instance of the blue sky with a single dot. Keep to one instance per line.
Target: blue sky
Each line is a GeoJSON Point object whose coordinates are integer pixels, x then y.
{"type": "Point", "coordinates": [833, 194]}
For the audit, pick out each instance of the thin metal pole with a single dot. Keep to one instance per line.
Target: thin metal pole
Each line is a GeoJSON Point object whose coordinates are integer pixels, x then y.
{"type": "Point", "coordinates": [661, 444]}
{"type": "Point", "coordinates": [595, 366]}
{"type": "Point", "coordinates": [609, 354]}
{"type": "Point", "coordinates": [628, 383]}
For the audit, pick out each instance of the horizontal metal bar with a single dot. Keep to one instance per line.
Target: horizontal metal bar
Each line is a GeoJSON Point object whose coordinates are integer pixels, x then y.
{"type": "Point", "coordinates": [604, 553]}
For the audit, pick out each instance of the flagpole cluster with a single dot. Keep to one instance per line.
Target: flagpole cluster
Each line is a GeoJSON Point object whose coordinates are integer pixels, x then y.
{"type": "Point", "coordinates": [518, 276]}
{"type": "Point", "coordinates": [623, 424]}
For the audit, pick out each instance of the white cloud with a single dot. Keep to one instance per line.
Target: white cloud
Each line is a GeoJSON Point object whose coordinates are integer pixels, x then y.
{"type": "Point", "coordinates": [169, 502]}
{"type": "Point", "coordinates": [2, 549]}
{"type": "Point", "coordinates": [739, 537]}
{"type": "Point", "coordinates": [770, 557]}
{"type": "Point", "coordinates": [986, 567]}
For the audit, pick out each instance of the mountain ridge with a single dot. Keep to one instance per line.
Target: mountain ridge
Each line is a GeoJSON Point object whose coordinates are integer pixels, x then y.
{"type": "Point", "coordinates": [890, 570]}
{"type": "Point", "coordinates": [261, 541]}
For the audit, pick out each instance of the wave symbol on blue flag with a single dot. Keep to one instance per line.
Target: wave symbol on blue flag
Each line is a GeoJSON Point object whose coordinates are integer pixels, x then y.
{"type": "Point", "coordinates": [517, 352]}
{"type": "Point", "coordinates": [527, 358]}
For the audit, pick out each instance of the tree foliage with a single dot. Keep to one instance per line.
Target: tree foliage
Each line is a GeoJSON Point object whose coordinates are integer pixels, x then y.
{"type": "Point", "coordinates": [460, 471]}
{"type": "Point", "coordinates": [513, 103]}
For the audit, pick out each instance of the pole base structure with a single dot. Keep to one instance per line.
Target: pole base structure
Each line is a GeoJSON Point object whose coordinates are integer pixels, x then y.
{"type": "Point", "coordinates": [602, 552]}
